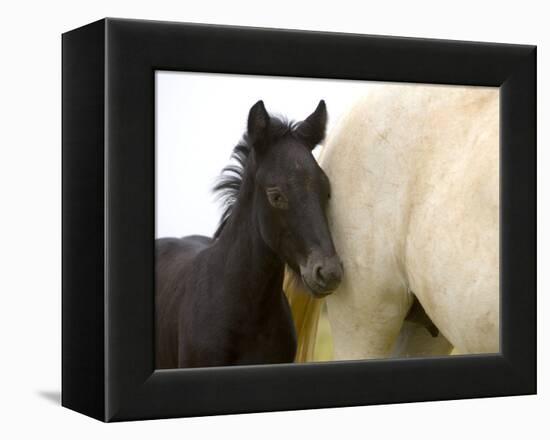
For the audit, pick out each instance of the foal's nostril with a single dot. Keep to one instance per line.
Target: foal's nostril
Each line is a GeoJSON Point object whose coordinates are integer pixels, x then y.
{"type": "Point", "coordinates": [319, 274]}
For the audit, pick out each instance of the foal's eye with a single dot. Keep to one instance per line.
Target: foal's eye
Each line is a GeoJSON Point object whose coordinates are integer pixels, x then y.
{"type": "Point", "coordinates": [276, 198]}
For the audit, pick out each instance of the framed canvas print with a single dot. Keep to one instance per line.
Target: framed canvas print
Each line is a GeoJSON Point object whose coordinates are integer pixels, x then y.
{"type": "Point", "coordinates": [263, 219]}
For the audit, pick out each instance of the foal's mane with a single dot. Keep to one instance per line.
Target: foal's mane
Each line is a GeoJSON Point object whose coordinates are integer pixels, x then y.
{"type": "Point", "coordinates": [229, 183]}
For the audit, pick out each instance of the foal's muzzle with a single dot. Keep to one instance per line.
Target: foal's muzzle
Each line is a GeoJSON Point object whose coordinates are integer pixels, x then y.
{"type": "Point", "coordinates": [322, 275]}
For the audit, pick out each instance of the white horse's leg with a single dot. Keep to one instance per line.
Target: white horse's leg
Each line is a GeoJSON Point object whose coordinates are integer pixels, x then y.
{"type": "Point", "coordinates": [348, 314]}
{"type": "Point", "coordinates": [414, 340]}
{"type": "Point", "coordinates": [367, 310]}
{"type": "Point", "coordinates": [419, 336]}
{"type": "Point", "coordinates": [457, 282]}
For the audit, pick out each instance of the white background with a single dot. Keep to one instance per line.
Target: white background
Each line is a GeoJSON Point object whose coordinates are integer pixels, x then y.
{"type": "Point", "coordinates": [30, 182]}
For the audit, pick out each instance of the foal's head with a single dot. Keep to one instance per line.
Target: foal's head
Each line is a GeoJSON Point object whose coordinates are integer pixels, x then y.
{"type": "Point", "coordinates": [290, 194]}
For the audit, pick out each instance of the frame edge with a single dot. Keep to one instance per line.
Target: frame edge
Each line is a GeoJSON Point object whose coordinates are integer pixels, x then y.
{"type": "Point", "coordinates": [83, 98]}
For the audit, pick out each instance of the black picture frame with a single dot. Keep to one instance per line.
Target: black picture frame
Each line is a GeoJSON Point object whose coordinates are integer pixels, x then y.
{"type": "Point", "coordinates": [109, 204]}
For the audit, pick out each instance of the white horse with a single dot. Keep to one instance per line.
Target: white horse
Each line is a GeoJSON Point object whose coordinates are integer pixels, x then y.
{"type": "Point", "coordinates": [414, 211]}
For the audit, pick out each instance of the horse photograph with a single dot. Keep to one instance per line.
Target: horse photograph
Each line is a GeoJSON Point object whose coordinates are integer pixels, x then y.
{"type": "Point", "coordinates": [314, 220]}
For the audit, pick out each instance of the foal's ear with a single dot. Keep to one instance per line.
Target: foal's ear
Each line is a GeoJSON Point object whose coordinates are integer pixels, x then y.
{"type": "Point", "coordinates": [258, 125]}
{"type": "Point", "coordinates": [311, 131]}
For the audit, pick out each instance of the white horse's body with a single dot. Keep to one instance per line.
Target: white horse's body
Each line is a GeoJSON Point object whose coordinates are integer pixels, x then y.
{"type": "Point", "coordinates": [414, 172]}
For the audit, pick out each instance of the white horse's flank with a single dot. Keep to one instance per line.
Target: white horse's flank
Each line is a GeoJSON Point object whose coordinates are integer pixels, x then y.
{"type": "Point", "coordinates": [414, 172]}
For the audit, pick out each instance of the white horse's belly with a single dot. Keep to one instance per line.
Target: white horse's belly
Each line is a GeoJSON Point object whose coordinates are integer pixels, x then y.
{"type": "Point", "coordinates": [414, 173]}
